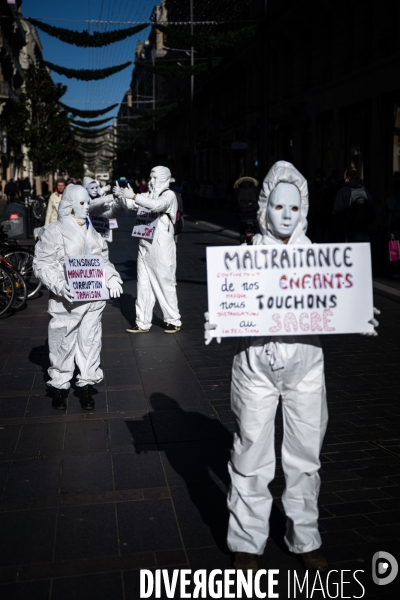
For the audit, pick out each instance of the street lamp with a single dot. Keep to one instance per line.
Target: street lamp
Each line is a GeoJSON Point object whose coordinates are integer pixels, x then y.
{"type": "Point", "coordinates": [192, 132]}
{"type": "Point", "coordinates": [264, 132]}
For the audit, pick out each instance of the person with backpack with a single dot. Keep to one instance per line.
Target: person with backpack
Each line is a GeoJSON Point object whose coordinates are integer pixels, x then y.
{"type": "Point", "coordinates": [244, 203]}
{"type": "Point", "coordinates": [353, 208]}
{"type": "Point", "coordinates": [156, 264]}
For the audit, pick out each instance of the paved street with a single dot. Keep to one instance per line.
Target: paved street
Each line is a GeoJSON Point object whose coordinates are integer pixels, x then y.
{"type": "Point", "coordinates": [87, 500]}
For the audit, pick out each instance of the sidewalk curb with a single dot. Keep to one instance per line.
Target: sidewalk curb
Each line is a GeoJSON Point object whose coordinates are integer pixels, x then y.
{"type": "Point", "coordinates": [387, 291]}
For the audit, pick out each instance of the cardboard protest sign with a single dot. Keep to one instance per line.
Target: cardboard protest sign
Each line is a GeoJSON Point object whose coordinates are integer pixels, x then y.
{"type": "Point", "coordinates": [86, 278]}
{"type": "Point", "coordinates": [289, 290]}
{"type": "Point", "coordinates": [113, 223]}
{"type": "Point", "coordinates": [102, 226]}
{"type": "Point", "coordinates": [145, 224]}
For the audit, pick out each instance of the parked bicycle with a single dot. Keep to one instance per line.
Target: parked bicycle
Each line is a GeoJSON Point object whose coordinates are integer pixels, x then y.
{"type": "Point", "coordinates": [20, 288]}
{"type": "Point", "coordinates": [21, 259]}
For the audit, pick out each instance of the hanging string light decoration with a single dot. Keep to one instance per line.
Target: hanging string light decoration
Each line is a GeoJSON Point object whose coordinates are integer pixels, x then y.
{"type": "Point", "coordinates": [88, 114]}
{"type": "Point", "coordinates": [89, 123]}
{"type": "Point", "coordinates": [209, 41]}
{"type": "Point", "coordinates": [86, 74]}
{"type": "Point", "coordinates": [84, 39]}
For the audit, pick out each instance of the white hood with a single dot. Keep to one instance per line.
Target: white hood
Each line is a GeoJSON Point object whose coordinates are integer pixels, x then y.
{"type": "Point", "coordinates": [282, 172]}
{"type": "Point", "coordinates": [163, 176]}
{"type": "Point", "coordinates": [87, 181]}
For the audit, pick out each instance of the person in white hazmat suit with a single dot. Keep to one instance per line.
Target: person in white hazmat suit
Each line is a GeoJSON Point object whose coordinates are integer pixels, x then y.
{"type": "Point", "coordinates": [264, 369]}
{"type": "Point", "coordinates": [75, 328]}
{"type": "Point", "coordinates": [156, 264]}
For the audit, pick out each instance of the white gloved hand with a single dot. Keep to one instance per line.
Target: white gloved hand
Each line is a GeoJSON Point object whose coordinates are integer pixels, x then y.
{"type": "Point", "coordinates": [117, 191]}
{"type": "Point", "coordinates": [373, 322]}
{"type": "Point", "coordinates": [104, 189]}
{"type": "Point", "coordinates": [127, 192]}
{"type": "Point", "coordinates": [66, 292]}
{"type": "Point", "coordinates": [96, 203]}
{"type": "Point", "coordinates": [207, 327]}
{"type": "Point", "coordinates": [115, 287]}
{"type": "Point", "coordinates": [108, 199]}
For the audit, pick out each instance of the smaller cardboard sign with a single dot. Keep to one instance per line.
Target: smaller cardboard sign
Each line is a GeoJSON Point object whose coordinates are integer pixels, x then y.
{"type": "Point", "coordinates": [113, 223]}
{"type": "Point", "coordinates": [102, 226]}
{"type": "Point", "coordinates": [86, 278]}
{"type": "Point", "coordinates": [145, 224]}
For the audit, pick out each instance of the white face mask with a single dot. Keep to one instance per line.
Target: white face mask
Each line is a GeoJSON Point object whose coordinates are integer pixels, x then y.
{"type": "Point", "coordinates": [93, 189]}
{"type": "Point", "coordinates": [80, 203]}
{"type": "Point", "coordinates": [153, 181]}
{"type": "Point", "coordinates": [284, 209]}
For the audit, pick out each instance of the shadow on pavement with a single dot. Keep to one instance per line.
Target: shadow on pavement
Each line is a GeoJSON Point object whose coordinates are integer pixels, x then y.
{"type": "Point", "coordinates": [197, 449]}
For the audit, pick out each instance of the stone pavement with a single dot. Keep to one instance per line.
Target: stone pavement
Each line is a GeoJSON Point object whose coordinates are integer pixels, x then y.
{"type": "Point", "coordinates": [87, 500]}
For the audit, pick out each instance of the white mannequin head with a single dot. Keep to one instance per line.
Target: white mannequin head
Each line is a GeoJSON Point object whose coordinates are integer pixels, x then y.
{"type": "Point", "coordinates": [283, 211]}
{"type": "Point", "coordinates": [93, 189]}
{"type": "Point", "coordinates": [80, 202]}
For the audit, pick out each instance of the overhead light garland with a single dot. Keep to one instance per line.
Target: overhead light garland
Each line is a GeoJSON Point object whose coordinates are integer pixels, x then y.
{"type": "Point", "coordinates": [86, 74]}
{"type": "Point", "coordinates": [88, 114]}
{"type": "Point", "coordinates": [84, 39]}
{"type": "Point", "coordinates": [211, 41]}
{"type": "Point", "coordinates": [87, 133]}
{"type": "Point", "coordinates": [89, 123]}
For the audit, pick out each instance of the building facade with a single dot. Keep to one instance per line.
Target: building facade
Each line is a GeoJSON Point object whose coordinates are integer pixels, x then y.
{"type": "Point", "coordinates": [19, 43]}
{"type": "Point", "coordinates": [333, 95]}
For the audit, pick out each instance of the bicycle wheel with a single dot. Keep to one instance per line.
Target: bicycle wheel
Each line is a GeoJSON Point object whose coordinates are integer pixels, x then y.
{"type": "Point", "coordinates": [7, 292]}
{"type": "Point", "coordinates": [22, 261]}
{"type": "Point", "coordinates": [20, 288]}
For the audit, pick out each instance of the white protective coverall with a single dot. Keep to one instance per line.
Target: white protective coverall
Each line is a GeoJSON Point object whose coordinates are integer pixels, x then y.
{"type": "Point", "coordinates": [74, 329]}
{"type": "Point", "coordinates": [265, 368]}
{"type": "Point", "coordinates": [156, 264]}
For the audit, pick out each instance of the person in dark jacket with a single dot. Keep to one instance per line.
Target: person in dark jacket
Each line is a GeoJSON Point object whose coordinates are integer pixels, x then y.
{"type": "Point", "coordinates": [353, 209]}
{"type": "Point", "coordinates": [11, 189]}
{"type": "Point", "coordinates": [244, 202]}
{"type": "Point", "coordinates": [25, 186]}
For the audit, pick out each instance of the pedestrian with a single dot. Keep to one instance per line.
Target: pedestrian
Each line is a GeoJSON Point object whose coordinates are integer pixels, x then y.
{"type": "Point", "coordinates": [11, 189]}
{"type": "Point", "coordinates": [143, 187]}
{"type": "Point", "coordinates": [317, 221]}
{"type": "Point", "coordinates": [54, 201]}
{"type": "Point", "coordinates": [393, 222]}
{"type": "Point", "coordinates": [353, 208]}
{"type": "Point", "coordinates": [74, 329]}
{"type": "Point", "coordinates": [25, 187]}
{"type": "Point", "coordinates": [156, 264]}
{"type": "Point", "coordinates": [264, 370]}
{"type": "Point", "coordinates": [332, 185]}
{"type": "Point", "coordinates": [244, 203]}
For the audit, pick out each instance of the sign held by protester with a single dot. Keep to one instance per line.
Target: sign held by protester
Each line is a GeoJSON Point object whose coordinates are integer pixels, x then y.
{"type": "Point", "coordinates": [102, 226]}
{"type": "Point", "coordinates": [145, 224]}
{"type": "Point", "coordinates": [289, 290]}
{"type": "Point", "coordinates": [86, 278]}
